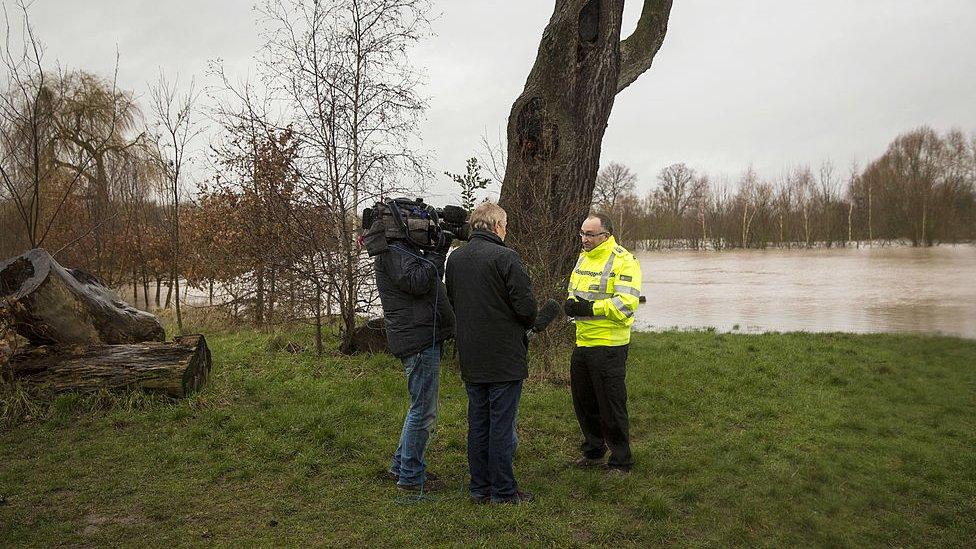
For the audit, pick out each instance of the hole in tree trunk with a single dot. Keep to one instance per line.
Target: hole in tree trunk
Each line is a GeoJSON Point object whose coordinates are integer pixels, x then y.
{"type": "Point", "coordinates": [14, 276]}
{"type": "Point", "coordinates": [538, 138]}
{"type": "Point", "coordinates": [589, 22]}
{"type": "Point", "coordinates": [530, 128]}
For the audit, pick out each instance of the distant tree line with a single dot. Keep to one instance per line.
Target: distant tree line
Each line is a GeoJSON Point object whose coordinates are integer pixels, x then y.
{"type": "Point", "coordinates": [921, 191]}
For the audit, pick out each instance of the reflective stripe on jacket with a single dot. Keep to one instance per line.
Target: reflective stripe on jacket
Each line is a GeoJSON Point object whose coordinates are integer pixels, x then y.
{"type": "Point", "coordinates": [610, 277]}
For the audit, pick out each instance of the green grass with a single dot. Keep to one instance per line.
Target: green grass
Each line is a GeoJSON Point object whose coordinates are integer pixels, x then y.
{"type": "Point", "coordinates": [773, 440]}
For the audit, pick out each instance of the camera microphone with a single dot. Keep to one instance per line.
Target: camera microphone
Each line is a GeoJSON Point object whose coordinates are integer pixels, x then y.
{"type": "Point", "coordinates": [549, 311]}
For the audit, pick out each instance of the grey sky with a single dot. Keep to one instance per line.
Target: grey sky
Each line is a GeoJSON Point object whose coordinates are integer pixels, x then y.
{"type": "Point", "coordinates": [767, 83]}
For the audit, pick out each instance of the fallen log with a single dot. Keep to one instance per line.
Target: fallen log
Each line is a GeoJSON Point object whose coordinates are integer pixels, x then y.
{"type": "Point", "coordinates": [51, 305]}
{"type": "Point", "coordinates": [178, 368]}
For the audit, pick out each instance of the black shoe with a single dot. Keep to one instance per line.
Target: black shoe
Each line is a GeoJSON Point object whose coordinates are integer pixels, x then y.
{"type": "Point", "coordinates": [395, 477]}
{"type": "Point", "coordinates": [584, 462]}
{"type": "Point", "coordinates": [519, 497]}
{"type": "Point", "coordinates": [426, 487]}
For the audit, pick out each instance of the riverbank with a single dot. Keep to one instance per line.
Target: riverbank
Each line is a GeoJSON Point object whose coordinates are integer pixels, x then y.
{"type": "Point", "coordinates": [774, 439]}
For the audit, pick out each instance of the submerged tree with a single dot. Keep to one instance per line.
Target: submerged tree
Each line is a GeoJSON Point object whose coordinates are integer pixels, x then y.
{"type": "Point", "coordinates": [613, 185]}
{"type": "Point", "coordinates": [556, 125]}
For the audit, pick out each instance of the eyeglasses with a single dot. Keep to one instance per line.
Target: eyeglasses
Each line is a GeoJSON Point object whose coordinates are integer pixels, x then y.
{"type": "Point", "coordinates": [584, 234]}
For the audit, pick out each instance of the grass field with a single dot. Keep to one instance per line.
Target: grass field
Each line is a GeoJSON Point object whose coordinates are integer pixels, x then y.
{"type": "Point", "coordinates": [774, 440]}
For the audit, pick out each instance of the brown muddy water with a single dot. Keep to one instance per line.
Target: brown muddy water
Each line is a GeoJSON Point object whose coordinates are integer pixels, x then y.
{"type": "Point", "coordinates": [868, 289]}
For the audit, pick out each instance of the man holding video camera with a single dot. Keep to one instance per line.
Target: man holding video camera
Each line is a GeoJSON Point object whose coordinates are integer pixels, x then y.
{"type": "Point", "coordinates": [418, 317]}
{"type": "Point", "coordinates": [491, 294]}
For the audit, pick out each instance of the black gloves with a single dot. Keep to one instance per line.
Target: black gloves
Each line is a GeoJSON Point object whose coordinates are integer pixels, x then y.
{"type": "Point", "coordinates": [578, 308]}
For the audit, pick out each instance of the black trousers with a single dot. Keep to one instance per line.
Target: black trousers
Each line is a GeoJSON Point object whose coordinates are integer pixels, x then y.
{"type": "Point", "coordinates": [597, 376]}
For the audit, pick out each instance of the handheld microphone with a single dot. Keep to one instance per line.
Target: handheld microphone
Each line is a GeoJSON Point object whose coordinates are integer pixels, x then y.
{"type": "Point", "coordinates": [549, 311]}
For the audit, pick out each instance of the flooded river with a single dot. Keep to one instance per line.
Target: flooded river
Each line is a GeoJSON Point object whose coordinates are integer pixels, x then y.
{"type": "Point", "coordinates": [890, 289]}
{"type": "Point", "coordinates": [879, 289]}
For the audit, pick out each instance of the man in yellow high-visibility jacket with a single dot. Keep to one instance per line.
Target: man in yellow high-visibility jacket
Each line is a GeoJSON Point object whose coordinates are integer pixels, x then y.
{"type": "Point", "coordinates": [604, 289]}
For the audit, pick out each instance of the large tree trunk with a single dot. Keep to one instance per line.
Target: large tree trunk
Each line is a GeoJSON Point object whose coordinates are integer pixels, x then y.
{"type": "Point", "coordinates": [177, 368]}
{"type": "Point", "coordinates": [54, 305]}
{"type": "Point", "coordinates": [556, 126]}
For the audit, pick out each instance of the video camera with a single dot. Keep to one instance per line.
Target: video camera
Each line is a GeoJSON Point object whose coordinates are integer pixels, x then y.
{"type": "Point", "coordinates": [412, 221]}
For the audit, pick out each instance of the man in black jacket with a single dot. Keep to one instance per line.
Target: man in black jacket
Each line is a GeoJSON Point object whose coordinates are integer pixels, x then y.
{"type": "Point", "coordinates": [492, 297]}
{"type": "Point", "coordinates": [418, 318]}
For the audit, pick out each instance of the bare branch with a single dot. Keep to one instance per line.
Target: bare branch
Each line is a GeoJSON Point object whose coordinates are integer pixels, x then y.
{"type": "Point", "coordinates": [637, 51]}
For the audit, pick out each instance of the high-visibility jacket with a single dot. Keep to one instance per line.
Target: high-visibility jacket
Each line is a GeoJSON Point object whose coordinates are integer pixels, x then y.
{"type": "Point", "coordinates": [610, 277]}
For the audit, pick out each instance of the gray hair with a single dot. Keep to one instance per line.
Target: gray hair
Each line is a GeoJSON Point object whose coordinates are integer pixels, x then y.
{"type": "Point", "coordinates": [486, 216]}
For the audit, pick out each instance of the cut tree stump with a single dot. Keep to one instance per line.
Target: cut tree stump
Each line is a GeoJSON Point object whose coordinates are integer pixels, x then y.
{"type": "Point", "coordinates": [51, 305]}
{"type": "Point", "coordinates": [178, 368]}
{"type": "Point", "coordinates": [371, 338]}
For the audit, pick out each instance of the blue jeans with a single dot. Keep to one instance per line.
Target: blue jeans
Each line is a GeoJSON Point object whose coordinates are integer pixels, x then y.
{"type": "Point", "coordinates": [423, 378]}
{"type": "Point", "coordinates": [491, 442]}
{"type": "Point", "coordinates": [515, 432]}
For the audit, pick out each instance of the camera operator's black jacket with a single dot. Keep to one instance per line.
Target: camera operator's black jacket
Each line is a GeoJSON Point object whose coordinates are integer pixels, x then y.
{"type": "Point", "coordinates": [409, 289]}
{"type": "Point", "coordinates": [492, 297]}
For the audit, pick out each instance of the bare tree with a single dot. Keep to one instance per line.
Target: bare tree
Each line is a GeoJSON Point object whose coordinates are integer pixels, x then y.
{"type": "Point", "coordinates": [341, 73]}
{"type": "Point", "coordinates": [630, 218]}
{"type": "Point", "coordinates": [801, 182]}
{"type": "Point", "coordinates": [827, 195]}
{"type": "Point", "coordinates": [673, 193]}
{"type": "Point", "coordinates": [752, 198]}
{"type": "Point", "coordinates": [493, 156]}
{"type": "Point", "coordinates": [177, 127]}
{"type": "Point", "coordinates": [700, 199]}
{"type": "Point", "coordinates": [914, 160]}
{"type": "Point", "coordinates": [953, 186]}
{"type": "Point", "coordinates": [613, 184]}
{"type": "Point", "coordinates": [784, 204]}
{"type": "Point", "coordinates": [852, 183]}
{"type": "Point", "coordinates": [870, 209]}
